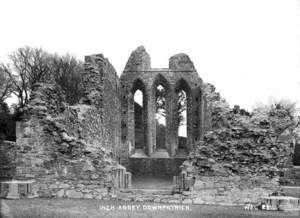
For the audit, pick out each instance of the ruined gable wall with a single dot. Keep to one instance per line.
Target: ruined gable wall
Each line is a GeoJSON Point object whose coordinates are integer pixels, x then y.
{"type": "Point", "coordinates": [138, 74]}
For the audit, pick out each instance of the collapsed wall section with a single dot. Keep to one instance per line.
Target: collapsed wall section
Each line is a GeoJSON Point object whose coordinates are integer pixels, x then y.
{"type": "Point", "coordinates": [70, 151]}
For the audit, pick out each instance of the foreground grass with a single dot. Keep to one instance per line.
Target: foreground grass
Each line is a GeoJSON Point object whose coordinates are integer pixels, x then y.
{"type": "Point", "coordinates": [67, 208]}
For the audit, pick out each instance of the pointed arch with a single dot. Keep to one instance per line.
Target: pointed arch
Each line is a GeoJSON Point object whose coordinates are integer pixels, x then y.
{"type": "Point", "coordinates": [182, 116]}
{"type": "Point", "coordinates": [139, 117]}
{"type": "Point", "coordinates": [138, 84]}
{"type": "Point", "coordinates": [182, 84]}
{"type": "Point", "coordinates": [161, 80]}
{"type": "Point", "coordinates": [162, 102]}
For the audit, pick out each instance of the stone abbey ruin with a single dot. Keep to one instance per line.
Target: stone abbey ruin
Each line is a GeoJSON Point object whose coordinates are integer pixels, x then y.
{"type": "Point", "coordinates": [109, 145]}
{"type": "Point", "coordinates": [151, 149]}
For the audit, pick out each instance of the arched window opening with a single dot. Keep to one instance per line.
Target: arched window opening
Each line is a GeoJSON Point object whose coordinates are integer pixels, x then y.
{"type": "Point", "coordinates": [182, 119]}
{"type": "Point", "coordinates": [139, 126]}
{"type": "Point", "coordinates": [160, 117]}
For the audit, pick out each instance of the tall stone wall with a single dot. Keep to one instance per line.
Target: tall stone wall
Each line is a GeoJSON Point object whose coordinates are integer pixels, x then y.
{"type": "Point", "coordinates": [102, 86]}
{"type": "Point", "coordinates": [70, 151]}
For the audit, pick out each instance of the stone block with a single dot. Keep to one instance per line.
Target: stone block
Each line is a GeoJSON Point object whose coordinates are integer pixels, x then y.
{"type": "Point", "coordinates": [94, 176]}
{"type": "Point", "coordinates": [53, 186]}
{"type": "Point", "coordinates": [64, 185]}
{"type": "Point", "coordinates": [98, 197]}
{"type": "Point", "coordinates": [73, 194]}
{"type": "Point", "coordinates": [88, 166]}
{"type": "Point", "coordinates": [101, 190]}
{"type": "Point", "coordinates": [174, 201]}
{"type": "Point", "coordinates": [43, 186]}
{"type": "Point", "coordinates": [198, 200]}
{"type": "Point", "coordinates": [187, 201]}
{"type": "Point", "coordinates": [45, 194]}
{"type": "Point", "coordinates": [27, 131]}
{"type": "Point", "coordinates": [88, 196]}
{"type": "Point", "coordinates": [60, 193]}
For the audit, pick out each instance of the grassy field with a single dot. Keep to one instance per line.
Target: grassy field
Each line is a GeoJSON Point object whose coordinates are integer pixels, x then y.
{"type": "Point", "coordinates": [67, 208]}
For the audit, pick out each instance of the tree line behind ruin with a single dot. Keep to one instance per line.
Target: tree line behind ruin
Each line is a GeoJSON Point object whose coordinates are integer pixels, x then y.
{"type": "Point", "coordinates": [28, 66]}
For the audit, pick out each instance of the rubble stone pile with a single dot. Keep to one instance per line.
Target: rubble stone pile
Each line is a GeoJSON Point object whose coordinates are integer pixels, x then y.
{"type": "Point", "coordinates": [240, 143]}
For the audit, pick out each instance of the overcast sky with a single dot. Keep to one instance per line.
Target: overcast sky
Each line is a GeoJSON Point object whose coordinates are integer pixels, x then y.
{"type": "Point", "coordinates": [249, 49]}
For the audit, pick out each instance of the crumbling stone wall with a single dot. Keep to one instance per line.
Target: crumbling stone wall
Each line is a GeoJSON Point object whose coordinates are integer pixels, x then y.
{"type": "Point", "coordinates": [233, 190]}
{"type": "Point", "coordinates": [70, 151]}
{"type": "Point", "coordinates": [241, 146]}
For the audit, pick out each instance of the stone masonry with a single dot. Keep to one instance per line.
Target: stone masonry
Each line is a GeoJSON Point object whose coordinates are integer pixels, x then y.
{"type": "Point", "coordinates": [90, 149]}
{"type": "Point", "coordinates": [138, 75]}
{"type": "Point", "coordinates": [71, 151]}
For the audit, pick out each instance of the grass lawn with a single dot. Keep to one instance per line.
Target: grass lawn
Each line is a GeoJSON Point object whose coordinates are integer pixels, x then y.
{"type": "Point", "coordinates": [67, 208]}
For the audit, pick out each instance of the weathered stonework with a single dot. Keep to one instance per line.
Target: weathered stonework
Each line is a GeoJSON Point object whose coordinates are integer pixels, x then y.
{"type": "Point", "coordinates": [77, 151]}
{"type": "Point", "coordinates": [73, 151]}
{"type": "Point", "coordinates": [217, 190]}
{"type": "Point", "coordinates": [138, 75]}
{"type": "Point", "coordinates": [233, 190]}
{"type": "Point", "coordinates": [70, 151]}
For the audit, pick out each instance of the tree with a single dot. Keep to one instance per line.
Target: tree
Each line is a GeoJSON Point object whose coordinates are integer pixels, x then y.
{"type": "Point", "coordinates": [181, 107]}
{"type": "Point", "coordinates": [6, 84]}
{"type": "Point", "coordinates": [28, 66]}
{"type": "Point", "coordinates": [67, 73]}
{"type": "Point", "coordinates": [7, 121]}
{"type": "Point", "coordinates": [181, 104]}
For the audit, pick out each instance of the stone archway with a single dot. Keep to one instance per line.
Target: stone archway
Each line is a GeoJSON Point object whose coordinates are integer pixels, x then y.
{"type": "Point", "coordinates": [161, 91]}
{"type": "Point", "coordinates": [138, 119]}
{"type": "Point", "coordinates": [184, 144]}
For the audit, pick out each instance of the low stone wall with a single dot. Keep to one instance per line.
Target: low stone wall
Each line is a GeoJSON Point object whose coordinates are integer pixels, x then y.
{"type": "Point", "coordinates": [291, 176]}
{"type": "Point", "coordinates": [293, 191]}
{"type": "Point", "coordinates": [88, 184]}
{"type": "Point", "coordinates": [210, 190]}
{"type": "Point", "coordinates": [207, 190]}
{"type": "Point", "coordinates": [233, 190]}
{"type": "Point", "coordinates": [92, 186]}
